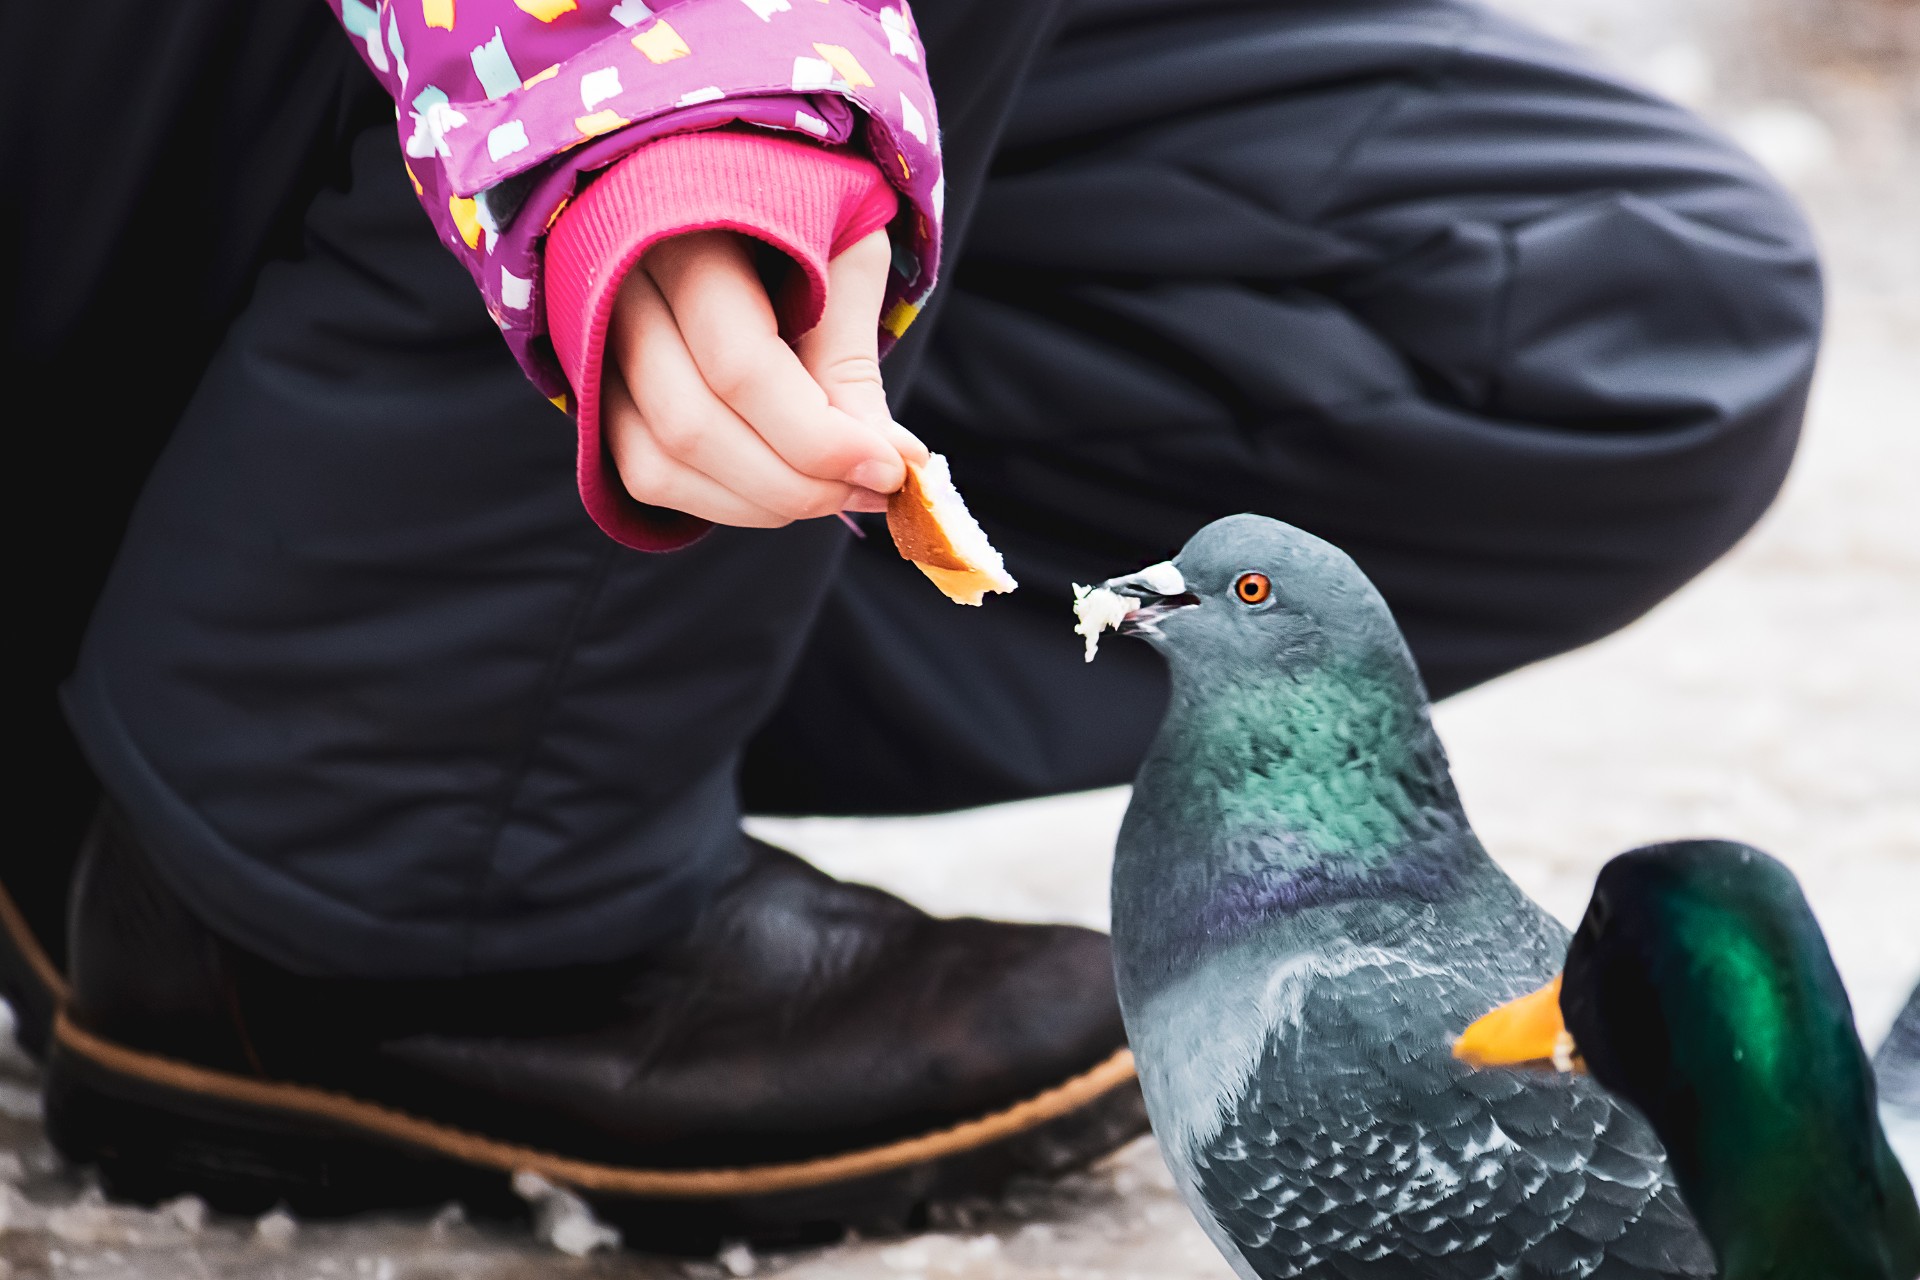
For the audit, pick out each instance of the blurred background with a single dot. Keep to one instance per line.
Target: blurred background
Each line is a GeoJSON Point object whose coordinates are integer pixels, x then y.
{"type": "Point", "coordinates": [1776, 700]}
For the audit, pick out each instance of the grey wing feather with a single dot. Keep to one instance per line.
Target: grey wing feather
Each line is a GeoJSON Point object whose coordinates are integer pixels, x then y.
{"type": "Point", "coordinates": [1360, 1149]}
{"type": "Point", "coordinates": [1897, 1069]}
{"type": "Point", "coordinates": [1897, 1064]}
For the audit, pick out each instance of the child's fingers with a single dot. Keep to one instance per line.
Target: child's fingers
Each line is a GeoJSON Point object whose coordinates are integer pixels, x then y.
{"type": "Point", "coordinates": [688, 423]}
{"type": "Point", "coordinates": [724, 315]}
{"type": "Point", "coordinates": [911, 446]}
{"type": "Point", "coordinates": [842, 352]}
{"type": "Point", "coordinates": [653, 476]}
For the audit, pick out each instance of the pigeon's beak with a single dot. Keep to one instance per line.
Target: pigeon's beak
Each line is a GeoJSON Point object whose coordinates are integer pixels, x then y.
{"type": "Point", "coordinates": [1160, 590]}
{"type": "Point", "coordinates": [1529, 1029]}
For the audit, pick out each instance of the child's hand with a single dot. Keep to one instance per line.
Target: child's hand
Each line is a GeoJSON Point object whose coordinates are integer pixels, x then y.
{"type": "Point", "coordinates": [708, 411]}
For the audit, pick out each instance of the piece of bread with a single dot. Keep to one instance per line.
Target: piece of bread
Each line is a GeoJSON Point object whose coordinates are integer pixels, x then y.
{"type": "Point", "coordinates": [932, 527]}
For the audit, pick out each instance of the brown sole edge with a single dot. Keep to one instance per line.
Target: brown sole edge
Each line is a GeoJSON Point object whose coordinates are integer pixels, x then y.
{"type": "Point", "coordinates": [29, 980]}
{"type": "Point", "coordinates": [1071, 1095]}
{"type": "Point", "coordinates": [21, 934]}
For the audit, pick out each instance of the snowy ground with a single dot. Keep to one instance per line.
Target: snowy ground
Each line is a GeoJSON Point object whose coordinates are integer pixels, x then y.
{"type": "Point", "coordinates": [1777, 699]}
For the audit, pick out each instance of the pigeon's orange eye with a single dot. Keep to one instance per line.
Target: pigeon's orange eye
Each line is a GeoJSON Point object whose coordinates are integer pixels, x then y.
{"type": "Point", "coordinates": [1252, 588]}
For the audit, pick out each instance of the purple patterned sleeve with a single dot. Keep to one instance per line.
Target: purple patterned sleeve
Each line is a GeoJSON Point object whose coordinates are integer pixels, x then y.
{"type": "Point", "coordinates": [504, 104]}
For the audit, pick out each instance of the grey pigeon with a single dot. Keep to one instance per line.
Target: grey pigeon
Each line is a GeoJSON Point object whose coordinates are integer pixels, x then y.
{"type": "Point", "coordinates": [1303, 921]}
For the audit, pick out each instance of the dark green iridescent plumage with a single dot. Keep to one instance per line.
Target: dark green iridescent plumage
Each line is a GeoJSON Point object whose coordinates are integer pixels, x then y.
{"type": "Point", "coordinates": [1700, 988]}
{"type": "Point", "coordinates": [1350, 778]}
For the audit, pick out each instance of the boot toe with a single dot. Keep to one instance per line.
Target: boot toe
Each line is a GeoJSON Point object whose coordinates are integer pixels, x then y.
{"type": "Point", "coordinates": [813, 1055]}
{"type": "Point", "coordinates": [1032, 1005]}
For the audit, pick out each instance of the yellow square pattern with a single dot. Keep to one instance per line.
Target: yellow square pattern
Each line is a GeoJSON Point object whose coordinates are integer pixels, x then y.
{"type": "Point", "coordinates": [599, 122]}
{"type": "Point", "coordinates": [466, 216]}
{"type": "Point", "coordinates": [845, 64]}
{"type": "Point", "coordinates": [898, 317]}
{"type": "Point", "coordinates": [661, 43]}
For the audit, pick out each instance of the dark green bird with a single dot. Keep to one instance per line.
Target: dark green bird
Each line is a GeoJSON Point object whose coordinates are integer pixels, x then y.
{"type": "Point", "coordinates": [1699, 988]}
{"type": "Point", "coordinates": [1303, 921]}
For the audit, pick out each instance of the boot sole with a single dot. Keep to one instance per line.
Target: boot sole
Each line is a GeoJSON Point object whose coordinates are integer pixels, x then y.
{"type": "Point", "coordinates": [156, 1127]}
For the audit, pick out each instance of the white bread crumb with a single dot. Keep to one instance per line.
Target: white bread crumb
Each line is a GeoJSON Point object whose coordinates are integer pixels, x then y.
{"type": "Point", "coordinates": [1098, 608]}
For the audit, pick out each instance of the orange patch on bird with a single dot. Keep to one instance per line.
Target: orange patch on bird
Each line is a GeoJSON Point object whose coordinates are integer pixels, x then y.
{"type": "Point", "coordinates": [1529, 1029]}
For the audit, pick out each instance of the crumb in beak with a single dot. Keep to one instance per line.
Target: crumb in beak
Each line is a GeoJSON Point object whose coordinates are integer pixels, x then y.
{"type": "Point", "coordinates": [1098, 608]}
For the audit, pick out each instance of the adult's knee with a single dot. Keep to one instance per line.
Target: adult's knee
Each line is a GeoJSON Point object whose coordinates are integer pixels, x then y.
{"type": "Point", "coordinates": [1629, 314]}
{"type": "Point", "coordinates": [1675, 339]}
{"type": "Point", "coordinates": [1630, 365]}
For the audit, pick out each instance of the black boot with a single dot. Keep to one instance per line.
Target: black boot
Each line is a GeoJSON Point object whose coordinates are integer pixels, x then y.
{"type": "Point", "coordinates": [812, 1055]}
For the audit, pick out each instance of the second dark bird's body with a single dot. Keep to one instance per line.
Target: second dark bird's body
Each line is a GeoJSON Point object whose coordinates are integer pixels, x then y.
{"type": "Point", "coordinates": [1303, 920]}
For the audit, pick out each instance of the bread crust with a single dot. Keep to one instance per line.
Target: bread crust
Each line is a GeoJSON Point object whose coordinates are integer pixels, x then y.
{"type": "Point", "coordinates": [962, 586]}
{"type": "Point", "coordinates": [916, 529]}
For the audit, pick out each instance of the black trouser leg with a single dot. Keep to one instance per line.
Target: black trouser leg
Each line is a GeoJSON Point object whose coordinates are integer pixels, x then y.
{"type": "Point", "coordinates": [1530, 344]}
{"type": "Point", "coordinates": [155, 156]}
{"type": "Point", "coordinates": [378, 696]}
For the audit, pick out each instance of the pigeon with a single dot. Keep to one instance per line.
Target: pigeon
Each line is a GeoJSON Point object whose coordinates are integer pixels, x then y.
{"type": "Point", "coordinates": [1699, 988]}
{"type": "Point", "coordinates": [1303, 921]}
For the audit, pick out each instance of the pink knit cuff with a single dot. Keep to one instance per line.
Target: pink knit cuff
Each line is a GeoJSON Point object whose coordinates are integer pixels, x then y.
{"type": "Point", "coordinates": [806, 200]}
